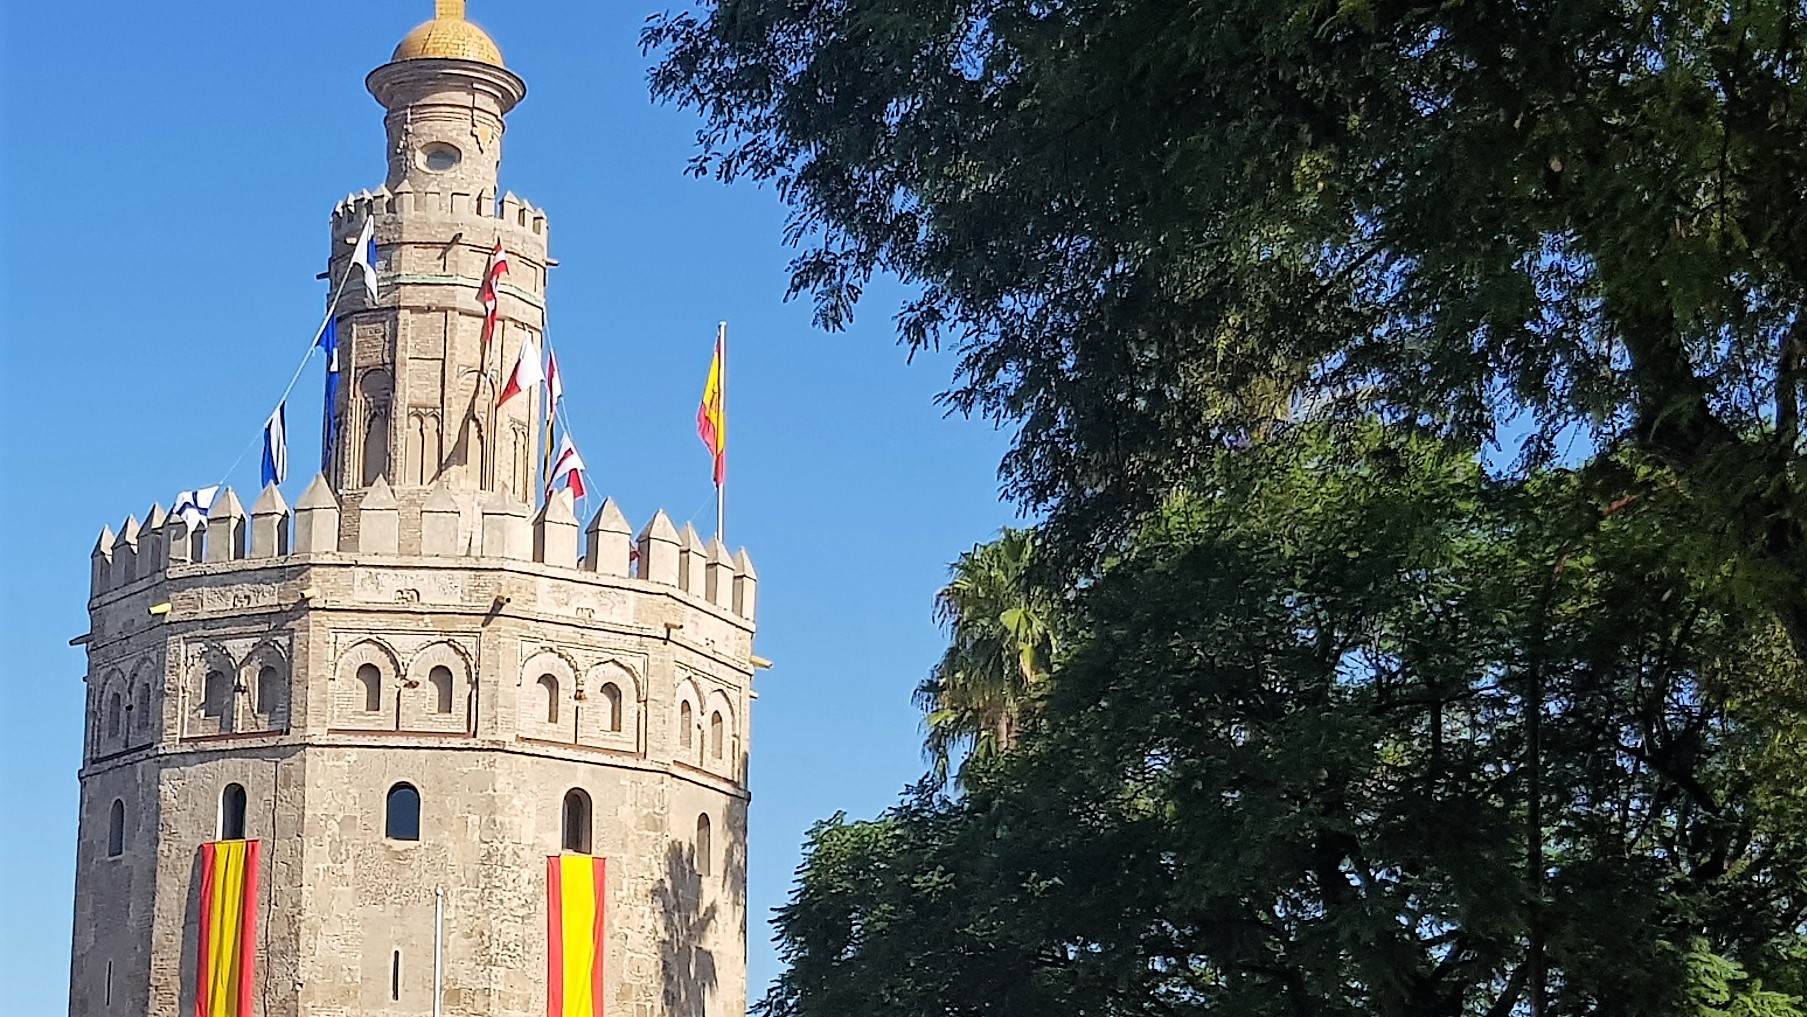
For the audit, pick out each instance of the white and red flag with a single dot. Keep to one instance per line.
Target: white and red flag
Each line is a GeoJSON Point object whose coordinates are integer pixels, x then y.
{"type": "Point", "coordinates": [527, 373]}
{"type": "Point", "coordinates": [492, 277]}
{"type": "Point", "coordinates": [569, 467]}
{"type": "Point", "coordinates": [555, 385]}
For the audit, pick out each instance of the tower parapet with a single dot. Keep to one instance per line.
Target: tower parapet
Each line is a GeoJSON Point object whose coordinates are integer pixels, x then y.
{"type": "Point", "coordinates": [133, 558]}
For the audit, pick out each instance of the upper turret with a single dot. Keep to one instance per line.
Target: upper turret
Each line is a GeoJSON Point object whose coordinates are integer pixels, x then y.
{"type": "Point", "coordinates": [446, 91]}
{"type": "Point", "coordinates": [417, 402]}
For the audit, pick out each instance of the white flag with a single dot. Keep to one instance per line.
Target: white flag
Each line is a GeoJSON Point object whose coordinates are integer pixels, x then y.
{"type": "Point", "coordinates": [191, 507]}
{"type": "Point", "coordinates": [364, 256]}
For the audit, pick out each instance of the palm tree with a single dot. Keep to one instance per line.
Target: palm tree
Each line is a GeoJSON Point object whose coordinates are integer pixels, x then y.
{"type": "Point", "coordinates": [1001, 641]}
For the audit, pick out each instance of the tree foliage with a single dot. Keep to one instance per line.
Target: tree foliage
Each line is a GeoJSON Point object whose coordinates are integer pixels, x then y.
{"type": "Point", "coordinates": [1283, 770]}
{"type": "Point", "coordinates": [1151, 225]}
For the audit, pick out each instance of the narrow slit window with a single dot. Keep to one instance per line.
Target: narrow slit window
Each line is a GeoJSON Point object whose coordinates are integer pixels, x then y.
{"type": "Point", "coordinates": [705, 849]}
{"type": "Point", "coordinates": [116, 829]}
{"type": "Point", "coordinates": [232, 812]}
{"type": "Point", "coordinates": [440, 678]}
{"type": "Point", "coordinates": [395, 976]}
{"type": "Point", "coordinates": [549, 694]}
{"type": "Point", "coordinates": [576, 822]}
{"type": "Point", "coordinates": [611, 705]}
{"type": "Point", "coordinates": [372, 680]}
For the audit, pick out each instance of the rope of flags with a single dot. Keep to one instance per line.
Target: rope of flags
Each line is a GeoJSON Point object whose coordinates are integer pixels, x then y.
{"type": "Point", "coordinates": [561, 464]}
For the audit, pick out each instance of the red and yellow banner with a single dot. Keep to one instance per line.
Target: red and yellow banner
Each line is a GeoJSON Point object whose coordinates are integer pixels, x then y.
{"type": "Point", "coordinates": [712, 419]}
{"type": "Point", "coordinates": [226, 954]}
{"type": "Point", "coordinates": [574, 915]}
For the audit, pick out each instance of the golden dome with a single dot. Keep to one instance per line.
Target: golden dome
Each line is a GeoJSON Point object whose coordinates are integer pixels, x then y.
{"type": "Point", "coordinates": [449, 37]}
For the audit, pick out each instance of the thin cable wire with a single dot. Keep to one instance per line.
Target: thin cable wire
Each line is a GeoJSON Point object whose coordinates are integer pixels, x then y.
{"type": "Point", "coordinates": [313, 344]}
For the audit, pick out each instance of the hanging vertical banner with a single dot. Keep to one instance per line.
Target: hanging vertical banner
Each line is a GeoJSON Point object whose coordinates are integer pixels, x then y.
{"type": "Point", "coordinates": [574, 922]}
{"type": "Point", "coordinates": [226, 950]}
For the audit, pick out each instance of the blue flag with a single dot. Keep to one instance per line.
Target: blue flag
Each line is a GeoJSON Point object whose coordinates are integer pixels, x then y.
{"type": "Point", "coordinates": [276, 448]}
{"type": "Point", "coordinates": [329, 342]}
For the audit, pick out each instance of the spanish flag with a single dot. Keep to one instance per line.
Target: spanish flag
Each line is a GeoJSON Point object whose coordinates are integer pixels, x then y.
{"type": "Point", "coordinates": [711, 416]}
{"type": "Point", "coordinates": [226, 958]}
{"type": "Point", "coordinates": [574, 924]}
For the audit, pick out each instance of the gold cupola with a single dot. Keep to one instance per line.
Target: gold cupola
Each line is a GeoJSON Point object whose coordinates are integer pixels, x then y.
{"type": "Point", "coordinates": [449, 37]}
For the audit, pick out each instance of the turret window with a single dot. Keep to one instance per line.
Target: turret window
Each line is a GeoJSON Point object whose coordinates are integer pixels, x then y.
{"type": "Point", "coordinates": [705, 849]}
{"type": "Point", "coordinates": [232, 812]}
{"type": "Point", "coordinates": [611, 708]}
{"type": "Point", "coordinates": [716, 735]}
{"type": "Point", "coordinates": [116, 829]}
{"type": "Point", "coordinates": [549, 697]}
{"type": "Point", "coordinates": [371, 678]}
{"type": "Point", "coordinates": [576, 822]}
{"type": "Point", "coordinates": [401, 820]}
{"type": "Point", "coordinates": [440, 680]}
{"type": "Point", "coordinates": [215, 690]}
{"type": "Point", "coordinates": [686, 725]}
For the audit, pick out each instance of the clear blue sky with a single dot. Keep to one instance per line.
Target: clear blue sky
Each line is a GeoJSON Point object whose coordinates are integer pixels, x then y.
{"type": "Point", "coordinates": [169, 172]}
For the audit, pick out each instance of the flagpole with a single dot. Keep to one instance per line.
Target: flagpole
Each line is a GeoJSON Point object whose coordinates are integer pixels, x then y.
{"type": "Point", "coordinates": [721, 499]}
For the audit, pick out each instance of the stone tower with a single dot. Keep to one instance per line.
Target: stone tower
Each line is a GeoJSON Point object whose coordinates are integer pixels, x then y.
{"type": "Point", "coordinates": [420, 682]}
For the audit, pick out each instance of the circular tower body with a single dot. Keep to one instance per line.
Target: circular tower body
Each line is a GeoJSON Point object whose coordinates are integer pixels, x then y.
{"type": "Point", "coordinates": [426, 696]}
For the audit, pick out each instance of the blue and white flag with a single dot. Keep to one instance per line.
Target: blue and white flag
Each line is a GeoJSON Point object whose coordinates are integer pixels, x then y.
{"type": "Point", "coordinates": [329, 342]}
{"type": "Point", "coordinates": [191, 507]}
{"type": "Point", "coordinates": [276, 448]}
{"type": "Point", "coordinates": [364, 256]}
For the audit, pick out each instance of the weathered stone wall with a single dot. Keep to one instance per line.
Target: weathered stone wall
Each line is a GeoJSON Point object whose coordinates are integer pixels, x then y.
{"type": "Point", "coordinates": [257, 674]}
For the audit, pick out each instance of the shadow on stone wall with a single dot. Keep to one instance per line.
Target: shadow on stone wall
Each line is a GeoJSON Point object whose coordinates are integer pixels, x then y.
{"type": "Point", "coordinates": [689, 967]}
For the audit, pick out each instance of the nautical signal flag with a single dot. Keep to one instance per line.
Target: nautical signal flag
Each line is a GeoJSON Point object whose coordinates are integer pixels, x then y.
{"type": "Point", "coordinates": [492, 277]}
{"type": "Point", "coordinates": [574, 935]}
{"type": "Point", "coordinates": [276, 448]}
{"type": "Point", "coordinates": [527, 372]}
{"type": "Point", "coordinates": [226, 947]}
{"type": "Point", "coordinates": [364, 257]}
{"type": "Point", "coordinates": [569, 467]}
{"type": "Point", "coordinates": [712, 418]}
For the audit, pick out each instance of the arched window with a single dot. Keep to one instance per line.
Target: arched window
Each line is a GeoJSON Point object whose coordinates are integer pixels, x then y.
{"type": "Point", "coordinates": [704, 849]}
{"type": "Point", "coordinates": [715, 734]}
{"type": "Point", "coordinates": [371, 677]}
{"type": "Point", "coordinates": [116, 829]}
{"type": "Point", "coordinates": [214, 692]}
{"type": "Point", "coordinates": [269, 691]}
{"type": "Point", "coordinates": [141, 715]}
{"type": "Point", "coordinates": [576, 823]}
{"type": "Point", "coordinates": [232, 812]}
{"type": "Point", "coordinates": [686, 722]}
{"type": "Point", "coordinates": [611, 707]}
{"type": "Point", "coordinates": [115, 712]}
{"type": "Point", "coordinates": [549, 693]}
{"type": "Point", "coordinates": [375, 389]}
{"type": "Point", "coordinates": [441, 680]}
{"type": "Point", "coordinates": [401, 820]}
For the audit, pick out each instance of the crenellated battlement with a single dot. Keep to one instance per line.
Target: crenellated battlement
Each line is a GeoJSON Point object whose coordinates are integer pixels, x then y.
{"type": "Point", "coordinates": [318, 525]}
{"type": "Point", "coordinates": [510, 211]}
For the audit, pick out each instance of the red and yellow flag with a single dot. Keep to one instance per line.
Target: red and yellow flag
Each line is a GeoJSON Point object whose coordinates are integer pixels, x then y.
{"type": "Point", "coordinates": [226, 957]}
{"type": "Point", "coordinates": [711, 417]}
{"type": "Point", "coordinates": [574, 923]}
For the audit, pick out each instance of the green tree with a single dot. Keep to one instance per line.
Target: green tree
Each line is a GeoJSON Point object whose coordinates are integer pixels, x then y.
{"type": "Point", "coordinates": [1283, 767]}
{"type": "Point", "coordinates": [1001, 629]}
{"type": "Point", "coordinates": [1148, 224]}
